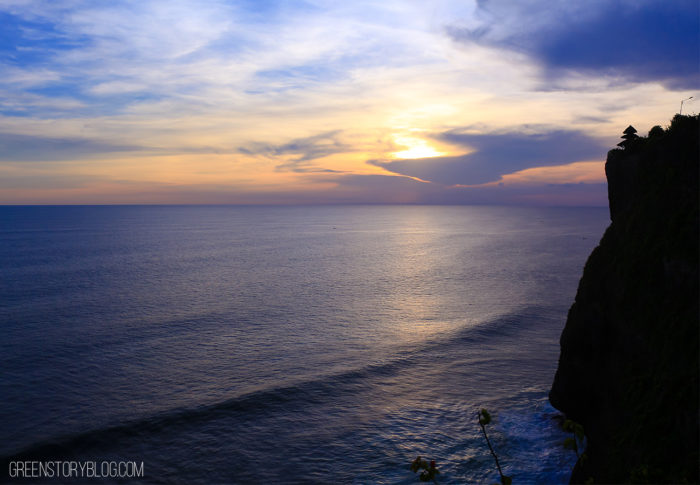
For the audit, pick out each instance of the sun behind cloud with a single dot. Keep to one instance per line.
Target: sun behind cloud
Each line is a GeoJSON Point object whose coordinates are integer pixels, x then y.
{"type": "Point", "coordinates": [268, 102]}
{"type": "Point", "coordinates": [414, 148]}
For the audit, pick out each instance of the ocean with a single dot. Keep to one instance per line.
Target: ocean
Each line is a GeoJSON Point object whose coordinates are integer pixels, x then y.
{"type": "Point", "coordinates": [306, 344]}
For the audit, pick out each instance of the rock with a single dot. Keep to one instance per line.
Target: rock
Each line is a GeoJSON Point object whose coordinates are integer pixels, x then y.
{"type": "Point", "coordinates": [628, 368]}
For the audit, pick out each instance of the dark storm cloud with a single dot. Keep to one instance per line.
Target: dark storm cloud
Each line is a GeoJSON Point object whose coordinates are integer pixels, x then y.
{"type": "Point", "coordinates": [15, 147]}
{"type": "Point", "coordinates": [499, 154]}
{"type": "Point", "coordinates": [641, 41]}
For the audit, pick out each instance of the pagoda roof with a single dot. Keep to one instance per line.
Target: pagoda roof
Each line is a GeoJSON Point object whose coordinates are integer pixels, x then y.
{"type": "Point", "coordinates": [629, 130]}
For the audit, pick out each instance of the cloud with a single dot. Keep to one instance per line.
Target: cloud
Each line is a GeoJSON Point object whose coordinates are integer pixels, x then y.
{"type": "Point", "coordinates": [303, 150]}
{"type": "Point", "coordinates": [499, 154]}
{"type": "Point", "coordinates": [166, 81]}
{"type": "Point", "coordinates": [577, 172]}
{"type": "Point", "coordinates": [384, 189]}
{"type": "Point", "coordinates": [643, 41]}
{"type": "Point", "coordinates": [44, 185]}
{"type": "Point", "coordinates": [14, 147]}
{"type": "Point", "coordinates": [33, 181]}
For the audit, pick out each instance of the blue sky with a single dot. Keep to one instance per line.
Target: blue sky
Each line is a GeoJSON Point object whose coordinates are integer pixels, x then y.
{"type": "Point", "coordinates": [487, 101]}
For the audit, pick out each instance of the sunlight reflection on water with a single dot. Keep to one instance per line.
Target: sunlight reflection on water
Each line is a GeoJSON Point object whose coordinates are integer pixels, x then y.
{"type": "Point", "coordinates": [290, 339]}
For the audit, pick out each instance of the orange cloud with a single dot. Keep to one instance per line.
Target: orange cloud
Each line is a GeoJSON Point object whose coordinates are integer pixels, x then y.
{"type": "Point", "coordinates": [571, 173]}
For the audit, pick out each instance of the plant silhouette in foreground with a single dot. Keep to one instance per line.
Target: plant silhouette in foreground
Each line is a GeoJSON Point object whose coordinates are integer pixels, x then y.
{"type": "Point", "coordinates": [429, 473]}
{"type": "Point", "coordinates": [484, 419]}
{"type": "Point", "coordinates": [576, 442]}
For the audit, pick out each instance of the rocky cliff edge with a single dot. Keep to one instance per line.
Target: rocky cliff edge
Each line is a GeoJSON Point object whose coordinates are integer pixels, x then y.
{"type": "Point", "coordinates": [628, 369]}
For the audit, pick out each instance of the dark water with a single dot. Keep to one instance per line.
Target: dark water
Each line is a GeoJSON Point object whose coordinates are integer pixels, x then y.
{"type": "Point", "coordinates": [287, 344]}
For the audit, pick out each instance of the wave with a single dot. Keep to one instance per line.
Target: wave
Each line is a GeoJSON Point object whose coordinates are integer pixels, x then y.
{"type": "Point", "coordinates": [310, 392]}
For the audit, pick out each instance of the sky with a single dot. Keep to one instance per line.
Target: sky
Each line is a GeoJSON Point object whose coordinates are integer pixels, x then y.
{"type": "Point", "coordinates": [327, 102]}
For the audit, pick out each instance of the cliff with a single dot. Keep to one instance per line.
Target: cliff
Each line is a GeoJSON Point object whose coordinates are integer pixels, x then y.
{"type": "Point", "coordinates": [628, 368]}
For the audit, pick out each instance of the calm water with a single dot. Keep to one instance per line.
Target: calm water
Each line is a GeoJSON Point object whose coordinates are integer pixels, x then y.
{"type": "Point", "coordinates": [287, 344]}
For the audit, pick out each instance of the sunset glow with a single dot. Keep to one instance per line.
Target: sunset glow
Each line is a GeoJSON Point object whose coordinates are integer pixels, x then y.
{"type": "Point", "coordinates": [415, 148]}
{"type": "Point", "coordinates": [308, 102]}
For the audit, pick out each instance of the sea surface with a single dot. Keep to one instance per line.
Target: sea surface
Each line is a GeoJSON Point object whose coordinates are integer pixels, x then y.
{"type": "Point", "coordinates": [321, 344]}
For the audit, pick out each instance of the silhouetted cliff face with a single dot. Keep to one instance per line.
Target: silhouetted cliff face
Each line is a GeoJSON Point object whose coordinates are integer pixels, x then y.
{"type": "Point", "coordinates": [628, 369]}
